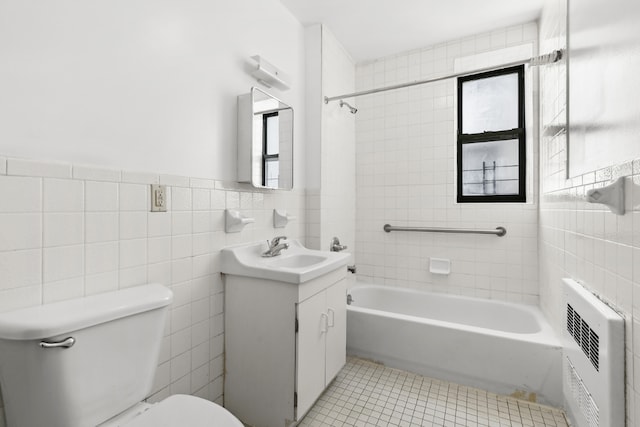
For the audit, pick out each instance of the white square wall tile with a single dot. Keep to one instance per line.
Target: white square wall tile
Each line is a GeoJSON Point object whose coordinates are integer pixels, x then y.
{"type": "Point", "coordinates": [20, 231]}
{"type": "Point", "coordinates": [162, 378]}
{"type": "Point", "coordinates": [201, 243]}
{"type": "Point", "coordinates": [218, 199]}
{"type": "Point", "coordinates": [20, 268]}
{"type": "Point", "coordinates": [101, 196]}
{"type": "Point", "coordinates": [133, 225]}
{"type": "Point", "coordinates": [180, 366]}
{"type": "Point", "coordinates": [202, 266]}
{"type": "Point", "coordinates": [134, 197]}
{"type": "Point", "coordinates": [200, 341]}
{"type": "Point", "coordinates": [63, 290]}
{"type": "Point", "coordinates": [159, 273]}
{"type": "Point", "coordinates": [63, 195]}
{"type": "Point", "coordinates": [63, 229]}
{"type": "Point", "coordinates": [201, 199]}
{"type": "Point", "coordinates": [181, 340]}
{"type": "Point", "coordinates": [20, 194]}
{"type": "Point", "coordinates": [181, 223]}
{"type": "Point", "coordinates": [101, 257]}
{"type": "Point", "coordinates": [159, 224]}
{"type": "Point", "coordinates": [134, 276]}
{"type": "Point", "coordinates": [199, 377]}
{"type": "Point", "coordinates": [181, 246]}
{"type": "Point", "coordinates": [181, 199]}
{"type": "Point", "coordinates": [159, 249]}
{"type": "Point", "coordinates": [64, 262]}
{"type": "Point", "coordinates": [27, 296]}
{"type": "Point", "coordinates": [101, 226]}
{"type": "Point", "coordinates": [101, 282]}
{"type": "Point", "coordinates": [181, 271]}
{"type": "Point", "coordinates": [133, 253]}
{"type": "Point", "coordinates": [201, 222]}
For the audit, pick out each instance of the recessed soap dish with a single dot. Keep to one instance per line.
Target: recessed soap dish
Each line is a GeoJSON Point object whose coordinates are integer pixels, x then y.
{"type": "Point", "coordinates": [440, 266]}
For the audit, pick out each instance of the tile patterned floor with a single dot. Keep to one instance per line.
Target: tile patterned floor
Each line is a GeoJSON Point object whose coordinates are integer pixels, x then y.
{"type": "Point", "coordinates": [369, 394]}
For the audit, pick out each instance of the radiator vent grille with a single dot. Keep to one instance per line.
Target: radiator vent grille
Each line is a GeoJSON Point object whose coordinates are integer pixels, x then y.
{"type": "Point", "coordinates": [584, 336]}
{"type": "Point", "coordinates": [582, 397]}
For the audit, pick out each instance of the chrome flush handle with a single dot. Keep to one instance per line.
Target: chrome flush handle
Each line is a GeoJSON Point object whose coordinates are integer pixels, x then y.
{"type": "Point", "coordinates": [66, 343]}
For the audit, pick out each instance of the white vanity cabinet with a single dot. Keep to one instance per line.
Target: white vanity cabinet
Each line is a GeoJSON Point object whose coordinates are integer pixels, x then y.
{"type": "Point", "coordinates": [284, 343]}
{"type": "Point", "coordinates": [321, 342]}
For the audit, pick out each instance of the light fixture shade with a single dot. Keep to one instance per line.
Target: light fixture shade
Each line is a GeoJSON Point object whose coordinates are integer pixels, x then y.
{"type": "Point", "coordinates": [269, 75]}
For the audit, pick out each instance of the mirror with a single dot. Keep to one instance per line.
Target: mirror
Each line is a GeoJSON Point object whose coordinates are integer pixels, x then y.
{"type": "Point", "coordinates": [265, 141]}
{"type": "Point", "coordinates": [604, 56]}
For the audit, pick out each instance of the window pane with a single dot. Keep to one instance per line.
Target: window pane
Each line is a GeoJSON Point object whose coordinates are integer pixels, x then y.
{"type": "Point", "coordinates": [271, 172]}
{"type": "Point", "coordinates": [273, 135]}
{"type": "Point", "coordinates": [490, 104]}
{"type": "Point", "coordinates": [490, 168]}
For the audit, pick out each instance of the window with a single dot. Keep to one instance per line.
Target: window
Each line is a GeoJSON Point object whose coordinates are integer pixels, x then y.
{"type": "Point", "coordinates": [491, 137]}
{"type": "Point", "coordinates": [270, 149]}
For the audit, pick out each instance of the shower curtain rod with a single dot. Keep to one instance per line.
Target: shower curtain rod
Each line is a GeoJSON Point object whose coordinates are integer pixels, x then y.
{"type": "Point", "coordinates": [548, 58]}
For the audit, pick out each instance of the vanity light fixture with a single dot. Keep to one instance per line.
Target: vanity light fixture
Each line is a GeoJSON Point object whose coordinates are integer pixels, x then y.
{"type": "Point", "coordinates": [269, 75]}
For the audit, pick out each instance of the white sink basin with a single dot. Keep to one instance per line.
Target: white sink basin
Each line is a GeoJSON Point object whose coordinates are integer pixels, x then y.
{"type": "Point", "coordinates": [294, 265]}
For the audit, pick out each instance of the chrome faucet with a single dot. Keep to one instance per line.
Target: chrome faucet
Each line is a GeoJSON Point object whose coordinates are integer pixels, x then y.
{"type": "Point", "coordinates": [336, 246]}
{"type": "Point", "coordinates": [275, 247]}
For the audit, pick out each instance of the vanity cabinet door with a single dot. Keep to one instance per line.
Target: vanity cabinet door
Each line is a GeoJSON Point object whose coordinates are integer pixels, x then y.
{"type": "Point", "coordinates": [312, 327]}
{"type": "Point", "coordinates": [336, 340]}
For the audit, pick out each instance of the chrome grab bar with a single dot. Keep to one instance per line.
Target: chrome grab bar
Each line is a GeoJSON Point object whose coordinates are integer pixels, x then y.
{"type": "Point", "coordinates": [66, 343]}
{"type": "Point", "coordinates": [499, 231]}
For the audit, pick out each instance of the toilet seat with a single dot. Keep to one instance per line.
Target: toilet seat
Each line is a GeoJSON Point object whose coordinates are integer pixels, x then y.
{"type": "Point", "coordinates": [181, 410]}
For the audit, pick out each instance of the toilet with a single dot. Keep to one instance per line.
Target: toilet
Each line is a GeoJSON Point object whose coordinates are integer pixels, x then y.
{"type": "Point", "coordinates": [91, 362]}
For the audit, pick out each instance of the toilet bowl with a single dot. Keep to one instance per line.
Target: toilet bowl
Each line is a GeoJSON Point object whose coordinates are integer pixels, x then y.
{"type": "Point", "coordinates": [91, 362]}
{"type": "Point", "coordinates": [175, 411]}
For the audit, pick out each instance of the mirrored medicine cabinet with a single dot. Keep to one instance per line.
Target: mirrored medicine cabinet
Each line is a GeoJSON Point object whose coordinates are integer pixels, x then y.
{"type": "Point", "coordinates": [265, 141]}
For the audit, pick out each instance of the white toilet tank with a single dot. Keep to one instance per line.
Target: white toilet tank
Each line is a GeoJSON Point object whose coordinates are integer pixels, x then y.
{"type": "Point", "coordinates": [108, 368]}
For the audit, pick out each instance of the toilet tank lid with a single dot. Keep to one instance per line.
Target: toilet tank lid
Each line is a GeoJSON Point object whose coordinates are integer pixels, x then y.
{"type": "Point", "coordinates": [50, 320]}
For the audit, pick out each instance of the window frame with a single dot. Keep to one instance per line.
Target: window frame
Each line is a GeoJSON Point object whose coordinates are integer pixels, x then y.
{"type": "Point", "coordinates": [518, 133]}
{"type": "Point", "coordinates": [265, 156]}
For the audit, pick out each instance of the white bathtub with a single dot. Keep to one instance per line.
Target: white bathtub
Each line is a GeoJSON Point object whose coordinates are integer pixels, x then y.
{"type": "Point", "coordinates": [500, 347]}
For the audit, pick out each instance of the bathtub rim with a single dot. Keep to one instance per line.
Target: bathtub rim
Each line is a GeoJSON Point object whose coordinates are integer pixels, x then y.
{"type": "Point", "coordinates": [546, 335]}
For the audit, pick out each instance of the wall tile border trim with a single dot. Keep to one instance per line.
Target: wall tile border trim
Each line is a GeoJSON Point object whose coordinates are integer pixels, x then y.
{"type": "Point", "coordinates": [51, 169]}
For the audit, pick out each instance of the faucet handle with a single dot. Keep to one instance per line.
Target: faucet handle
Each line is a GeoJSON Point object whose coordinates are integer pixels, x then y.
{"type": "Point", "coordinates": [336, 246]}
{"type": "Point", "coordinates": [276, 240]}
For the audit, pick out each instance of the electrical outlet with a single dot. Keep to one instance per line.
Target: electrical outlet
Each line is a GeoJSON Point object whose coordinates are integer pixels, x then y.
{"type": "Point", "coordinates": [158, 198]}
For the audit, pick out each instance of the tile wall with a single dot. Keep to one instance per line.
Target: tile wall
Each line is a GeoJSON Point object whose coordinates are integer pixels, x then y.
{"type": "Point", "coordinates": [584, 241]}
{"type": "Point", "coordinates": [67, 231]}
{"type": "Point", "coordinates": [405, 146]}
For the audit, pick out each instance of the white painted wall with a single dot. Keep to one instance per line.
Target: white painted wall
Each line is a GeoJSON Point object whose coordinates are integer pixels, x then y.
{"type": "Point", "coordinates": [584, 241]}
{"type": "Point", "coordinates": [143, 85]}
{"type": "Point", "coordinates": [331, 138]}
{"type": "Point", "coordinates": [338, 157]}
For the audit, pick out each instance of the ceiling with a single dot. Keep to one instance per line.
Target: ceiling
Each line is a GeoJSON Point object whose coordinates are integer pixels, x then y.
{"type": "Point", "coordinates": [371, 29]}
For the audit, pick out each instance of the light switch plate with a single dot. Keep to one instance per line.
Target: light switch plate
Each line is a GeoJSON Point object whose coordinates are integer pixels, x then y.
{"type": "Point", "coordinates": [158, 198]}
